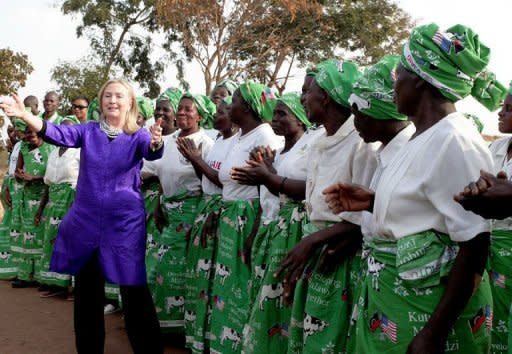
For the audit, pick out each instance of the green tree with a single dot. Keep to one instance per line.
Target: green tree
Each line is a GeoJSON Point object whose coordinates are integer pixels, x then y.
{"type": "Point", "coordinates": [265, 39]}
{"type": "Point", "coordinates": [14, 70]}
{"type": "Point", "coordinates": [119, 32]}
{"type": "Point", "coordinates": [80, 78]}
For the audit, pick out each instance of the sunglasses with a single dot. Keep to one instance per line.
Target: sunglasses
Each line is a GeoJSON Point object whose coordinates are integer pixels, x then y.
{"type": "Point", "coordinates": [76, 106]}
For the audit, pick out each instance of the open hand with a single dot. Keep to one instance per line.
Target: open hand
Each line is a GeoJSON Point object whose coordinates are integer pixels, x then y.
{"type": "Point", "coordinates": [188, 149]}
{"type": "Point", "coordinates": [14, 107]}
{"type": "Point", "coordinates": [342, 197]}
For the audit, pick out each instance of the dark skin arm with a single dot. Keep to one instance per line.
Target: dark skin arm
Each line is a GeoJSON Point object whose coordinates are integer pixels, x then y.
{"type": "Point", "coordinates": [188, 149]}
{"type": "Point", "coordinates": [489, 197]}
{"type": "Point", "coordinates": [20, 172]}
{"type": "Point", "coordinates": [463, 280]}
{"type": "Point", "coordinates": [294, 263]}
{"type": "Point", "coordinates": [42, 205]}
{"type": "Point", "coordinates": [342, 197]}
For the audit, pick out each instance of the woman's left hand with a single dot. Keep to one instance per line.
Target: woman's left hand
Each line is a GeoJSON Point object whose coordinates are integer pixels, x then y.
{"type": "Point", "coordinates": [425, 342]}
{"type": "Point", "coordinates": [156, 133]}
{"type": "Point", "coordinates": [254, 174]}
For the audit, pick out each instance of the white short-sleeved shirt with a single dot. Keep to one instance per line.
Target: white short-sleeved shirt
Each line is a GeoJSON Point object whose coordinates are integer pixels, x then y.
{"type": "Point", "coordinates": [263, 135]}
{"type": "Point", "coordinates": [212, 133]}
{"type": "Point", "coordinates": [499, 150]}
{"type": "Point", "coordinates": [291, 164]}
{"type": "Point", "coordinates": [175, 172]}
{"type": "Point", "coordinates": [13, 158]}
{"type": "Point", "coordinates": [342, 157]}
{"type": "Point", "coordinates": [63, 169]}
{"type": "Point", "coordinates": [385, 155]}
{"type": "Point", "coordinates": [215, 158]}
{"type": "Point", "coordinates": [415, 192]}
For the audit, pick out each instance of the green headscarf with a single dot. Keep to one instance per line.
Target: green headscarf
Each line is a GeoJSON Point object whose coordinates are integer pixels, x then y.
{"type": "Point", "coordinates": [229, 85]}
{"type": "Point", "coordinates": [260, 98]}
{"type": "Point", "coordinates": [292, 101]}
{"type": "Point", "coordinates": [205, 107]}
{"type": "Point", "coordinates": [454, 62]}
{"type": "Point", "coordinates": [228, 100]}
{"type": "Point", "coordinates": [476, 122]}
{"type": "Point", "coordinates": [19, 123]}
{"type": "Point", "coordinates": [336, 78]}
{"type": "Point", "coordinates": [373, 92]}
{"type": "Point", "coordinates": [145, 106]}
{"type": "Point", "coordinates": [93, 111]}
{"type": "Point", "coordinates": [71, 118]}
{"type": "Point", "coordinates": [173, 95]}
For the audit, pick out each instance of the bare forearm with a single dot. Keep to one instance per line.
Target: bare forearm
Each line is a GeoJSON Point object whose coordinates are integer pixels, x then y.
{"type": "Point", "coordinates": [202, 168]}
{"type": "Point", "coordinates": [44, 200]}
{"type": "Point", "coordinates": [463, 279]}
{"type": "Point", "coordinates": [340, 229]}
{"type": "Point", "coordinates": [293, 188]}
{"type": "Point", "coordinates": [33, 122]}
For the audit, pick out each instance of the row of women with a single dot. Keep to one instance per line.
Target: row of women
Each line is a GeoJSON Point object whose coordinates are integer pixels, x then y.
{"type": "Point", "coordinates": [334, 228]}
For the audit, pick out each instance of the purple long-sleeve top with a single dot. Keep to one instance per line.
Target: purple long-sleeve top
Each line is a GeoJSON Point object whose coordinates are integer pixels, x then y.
{"type": "Point", "coordinates": [107, 216]}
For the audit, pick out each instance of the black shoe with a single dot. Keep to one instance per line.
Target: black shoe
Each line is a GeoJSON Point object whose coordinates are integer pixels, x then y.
{"type": "Point", "coordinates": [43, 287]}
{"type": "Point", "coordinates": [19, 284]}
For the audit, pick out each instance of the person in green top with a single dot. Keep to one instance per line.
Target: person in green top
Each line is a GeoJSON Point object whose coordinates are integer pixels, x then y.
{"type": "Point", "coordinates": [51, 104]}
{"type": "Point", "coordinates": [30, 169]}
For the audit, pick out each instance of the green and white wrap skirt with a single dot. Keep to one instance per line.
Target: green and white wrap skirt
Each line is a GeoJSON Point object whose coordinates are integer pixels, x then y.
{"type": "Point", "coordinates": [269, 320]}
{"type": "Point", "coordinates": [15, 231]}
{"type": "Point", "coordinates": [322, 305]}
{"type": "Point", "coordinates": [199, 273]}
{"type": "Point", "coordinates": [8, 267]}
{"type": "Point", "coordinates": [403, 283]}
{"type": "Point", "coordinates": [29, 249]}
{"type": "Point", "coordinates": [150, 193]}
{"type": "Point", "coordinates": [500, 277]}
{"type": "Point", "coordinates": [60, 198]}
{"type": "Point", "coordinates": [169, 289]}
{"type": "Point", "coordinates": [230, 299]}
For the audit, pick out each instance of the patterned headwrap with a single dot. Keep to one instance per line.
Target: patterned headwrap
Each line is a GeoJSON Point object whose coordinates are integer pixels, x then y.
{"type": "Point", "coordinates": [476, 122]}
{"type": "Point", "coordinates": [292, 101]}
{"type": "Point", "coordinates": [173, 95]}
{"type": "Point", "coordinates": [229, 85]}
{"type": "Point", "coordinates": [336, 78]}
{"type": "Point", "coordinates": [454, 62]}
{"type": "Point", "coordinates": [228, 100]}
{"type": "Point", "coordinates": [260, 98]}
{"type": "Point", "coordinates": [70, 118]}
{"type": "Point", "coordinates": [145, 106]}
{"type": "Point", "coordinates": [373, 92]}
{"type": "Point", "coordinates": [93, 111]}
{"type": "Point", "coordinates": [205, 107]}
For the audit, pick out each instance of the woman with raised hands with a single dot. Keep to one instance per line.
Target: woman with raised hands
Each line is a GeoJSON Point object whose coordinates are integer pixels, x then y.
{"type": "Point", "coordinates": [103, 235]}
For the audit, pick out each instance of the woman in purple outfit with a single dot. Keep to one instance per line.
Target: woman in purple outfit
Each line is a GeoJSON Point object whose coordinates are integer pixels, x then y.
{"type": "Point", "coordinates": [103, 235]}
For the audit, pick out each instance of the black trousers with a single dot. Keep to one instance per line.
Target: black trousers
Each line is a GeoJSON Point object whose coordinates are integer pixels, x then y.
{"type": "Point", "coordinates": [139, 314]}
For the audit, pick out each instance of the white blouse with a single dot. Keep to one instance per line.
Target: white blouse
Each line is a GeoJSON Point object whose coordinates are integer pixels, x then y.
{"type": "Point", "coordinates": [342, 157]}
{"type": "Point", "coordinates": [415, 192]}
{"type": "Point", "coordinates": [263, 135]}
{"type": "Point", "coordinates": [13, 158]}
{"type": "Point", "coordinates": [502, 163]}
{"type": "Point", "coordinates": [385, 155]}
{"type": "Point", "coordinates": [215, 158]}
{"type": "Point", "coordinates": [63, 169]}
{"type": "Point", "coordinates": [175, 172]}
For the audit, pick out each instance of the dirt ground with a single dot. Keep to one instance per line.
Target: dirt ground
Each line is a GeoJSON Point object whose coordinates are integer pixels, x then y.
{"type": "Point", "coordinates": [32, 325]}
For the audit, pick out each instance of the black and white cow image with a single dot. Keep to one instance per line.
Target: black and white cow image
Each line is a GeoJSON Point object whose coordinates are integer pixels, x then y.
{"type": "Point", "coordinates": [150, 242]}
{"type": "Point", "coordinates": [313, 325]}
{"type": "Point", "coordinates": [232, 335]}
{"type": "Point", "coordinates": [175, 301]}
{"type": "Point", "coordinates": [33, 203]}
{"type": "Point", "coordinates": [4, 256]}
{"type": "Point", "coordinates": [374, 268]}
{"type": "Point", "coordinates": [55, 221]}
{"type": "Point", "coordinates": [190, 316]}
{"type": "Point", "coordinates": [259, 271]}
{"type": "Point", "coordinates": [162, 251]}
{"type": "Point", "coordinates": [174, 205]}
{"type": "Point", "coordinates": [14, 234]}
{"type": "Point", "coordinates": [241, 222]}
{"type": "Point", "coordinates": [38, 157]}
{"type": "Point", "coordinates": [204, 265]}
{"type": "Point", "coordinates": [28, 236]}
{"type": "Point", "coordinates": [223, 272]}
{"type": "Point", "coordinates": [272, 292]}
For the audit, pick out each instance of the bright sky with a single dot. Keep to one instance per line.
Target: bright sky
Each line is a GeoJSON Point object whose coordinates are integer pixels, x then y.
{"type": "Point", "coordinates": [38, 29]}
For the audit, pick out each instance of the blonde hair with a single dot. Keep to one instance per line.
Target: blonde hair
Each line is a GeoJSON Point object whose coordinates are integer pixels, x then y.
{"type": "Point", "coordinates": [130, 124]}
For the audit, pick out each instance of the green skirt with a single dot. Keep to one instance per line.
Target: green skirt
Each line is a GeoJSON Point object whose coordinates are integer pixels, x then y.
{"type": "Point", "coordinates": [8, 267]}
{"type": "Point", "coordinates": [169, 288]}
{"type": "Point", "coordinates": [199, 275]}
{"type": "Point", "coordinates": [150, 194]}
{"type": "Point", "coordinates": [269, 320]}
{"type": "Point", "coordinates": [29, 249]}
{"type": "Point", "coordinates": [230, 300]}
{"type": "Point", "coordinates": [322, 305]}
{"type": "Point", "coordinates": [401, 288]}
{"type": "Point", "coordinates": [61, 197]}
{"type": "Point", "coordinates": [500, 276]}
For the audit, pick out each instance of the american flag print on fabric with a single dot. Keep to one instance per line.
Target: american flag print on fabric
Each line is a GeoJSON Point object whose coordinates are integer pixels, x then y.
{"type": "Point", "coordinates": [443, 41]}
{"type": "Point", "coordinates": [498, 279]}
{"type": "Point", "coordinates": [388, 328]}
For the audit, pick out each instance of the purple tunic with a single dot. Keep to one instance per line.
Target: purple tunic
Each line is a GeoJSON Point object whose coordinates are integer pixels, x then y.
{"type": "Point", "coordinates": [107, 215]}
